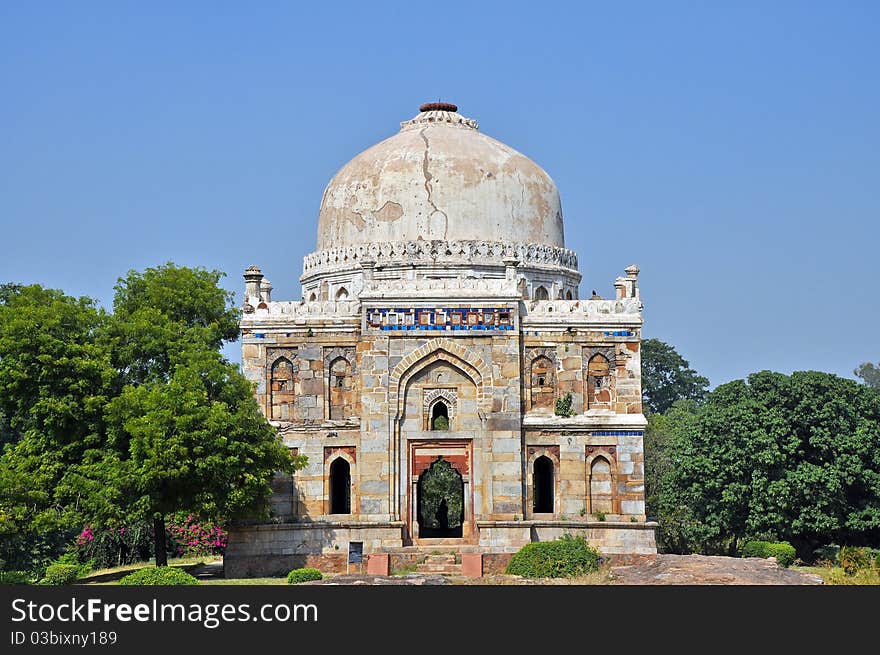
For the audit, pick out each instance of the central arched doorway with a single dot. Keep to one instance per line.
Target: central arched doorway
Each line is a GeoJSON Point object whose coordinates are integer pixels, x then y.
{"type": "Point", "coordinates": [440, 502]}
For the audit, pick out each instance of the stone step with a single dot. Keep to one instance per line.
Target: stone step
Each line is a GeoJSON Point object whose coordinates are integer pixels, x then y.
{"type": "Point", "coordinates": [441, 569]}
{"type": "Point", "coordinates": [445, 558]}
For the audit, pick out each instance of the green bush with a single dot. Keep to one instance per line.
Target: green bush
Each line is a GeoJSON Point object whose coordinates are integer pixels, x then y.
{"type": "Point", "coordinates": [563, 406]}
{"type": "Point", "coordinates": [15, 577]}
{"type": "Point", "coordinates": [852, 559]}
{"type": "Point", "coordinates": [826, 553]}
{"type": "Point", "coordinates": [782, 550]}
{"type": "Point", "coordinates": [567, 557]}
{"type": "Point", "coordinates": [71, 558]}
{"type": "Point", "coordinates": [303, 575]}
{"type": "Point", "coordinates": [164, 576]}
{"type": "Point", "coordinates": [60, 574]}
{"type": "Point", "coordinates": [441, 423]}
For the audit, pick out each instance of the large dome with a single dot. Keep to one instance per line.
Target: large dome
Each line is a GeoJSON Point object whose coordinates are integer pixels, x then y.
{"type": "Point", "coordinates": [439, 178]}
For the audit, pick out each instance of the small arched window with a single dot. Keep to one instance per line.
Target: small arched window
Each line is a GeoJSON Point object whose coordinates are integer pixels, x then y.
{"type": "Point", "coordinates": [439, 416]}
{"type": "Point", "coordinates": [312, 297]}
{"type": "Point", "coordinates": [340, 487]}
{"type": "Point", "coordinates": [543, 383]}
{"type": "Point", "coordinates": [342, 294]}
{"type": "Point", "coordinates": [601, 490]}
{"type": "Point", "coordinates": [281, 389]}
{"type": "Point", "coordinates": [569, 295]}
{"type": "Point", "coordinates": [598, 380]}
{"type": "Point", "coordinates": [541, 293]}
{"type": "Point", "coordinates": [340, 383]}
{"type": "Point", "coordinates": [542, 481]}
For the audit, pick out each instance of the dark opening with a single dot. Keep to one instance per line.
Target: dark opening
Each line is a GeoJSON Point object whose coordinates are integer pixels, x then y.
{"type": "Point", "coordinates": [340, 487]}
{"type": "Point", "coordinates": [440, 501]}
{"type": "Point", "coordinates": [440, 416]}
{"type": "Point", "coordinates": [542, 478]}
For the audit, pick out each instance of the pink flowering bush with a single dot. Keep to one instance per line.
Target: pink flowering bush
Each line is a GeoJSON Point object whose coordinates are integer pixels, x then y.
{"type": "Point", "coordinates": [113, 546]}
{"type": "Point", "coordinates": [188, 536]}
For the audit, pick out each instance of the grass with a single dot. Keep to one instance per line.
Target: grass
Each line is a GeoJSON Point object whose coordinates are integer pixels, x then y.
{"type": "Point", "coordinates": [834, 575]}
{"type": "Point", "coordinates": [113, 574]}
{"type": "Point", "coordinates": [245, 581]}
{"type": "Point", "coordinates": [406, 569]}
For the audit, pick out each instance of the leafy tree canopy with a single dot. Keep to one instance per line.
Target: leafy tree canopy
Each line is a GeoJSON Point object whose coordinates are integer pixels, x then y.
{"type": "Point", "coordinates": [667, 377]}
{"type": "Point", "coordinates": [779, 457]}
{"type": "Point", "coordinates": [129, 416]}
{"type": "Point", "coordinates": [870, 374]}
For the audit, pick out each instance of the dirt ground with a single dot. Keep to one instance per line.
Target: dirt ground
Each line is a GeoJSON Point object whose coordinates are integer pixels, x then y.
{"type": "Point", "coordinates": [708, 570]}
{"type": "Point", "coordinates": [665, 570]}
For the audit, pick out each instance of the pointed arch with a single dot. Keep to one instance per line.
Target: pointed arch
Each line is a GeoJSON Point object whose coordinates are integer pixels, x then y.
{"type": "Point", "coordinates": [466, 361]}
{"type": "Point", "coordinates": [340, 384]}
{"type": "Point", "coordinates": [341, 294]}
{"type": "Point", "coordinates": [282, 389]}
{"type": "Point", "coordinates": [542, 378]}
{"type": "Point", "coordinates": [541, 293]}
{"type": "Point", "coordinates": [601, 483]}
{"type": "Point", "coordinates": [598, 381]}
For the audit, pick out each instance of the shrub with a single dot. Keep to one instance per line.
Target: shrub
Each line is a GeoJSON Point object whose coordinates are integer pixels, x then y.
{"type": "Point", "coordinates": [852, 559]}
{"type": "Point", "coordinates": [565, 557]}
{"type": "Point", "coordinates": [115, 546]}
{"type": "Point", "coordinates": [827, 553]}
{"type": "Point", "coordinates": [563, 406]}
{"type": "Point", "coordinates": [72, 558]}
{"type": "Point", "coordinates": [600, 515]}
{"type": "Point", "coordinates": [441, 423]}
{"type": "Point", "coordinates": [164, 576]}
{"type": "Point", "coordinates": [187, 536]}
{"type": "Point", "coordinates": [303, 575]}
{"type": "Point", "coordinates": [15, 577]}
{"type": "Point", "coordinates": [782, 550]}
{"type": "Point", "coordinates": [60, 574]}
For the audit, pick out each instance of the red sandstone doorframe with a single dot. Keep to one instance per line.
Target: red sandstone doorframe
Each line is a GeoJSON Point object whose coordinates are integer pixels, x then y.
{"type": "Point", "coordinates": [421, 453]}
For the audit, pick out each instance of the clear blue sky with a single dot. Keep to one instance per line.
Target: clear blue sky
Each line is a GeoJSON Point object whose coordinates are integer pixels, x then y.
{"type": "Point", "coordinates": [732, 152]}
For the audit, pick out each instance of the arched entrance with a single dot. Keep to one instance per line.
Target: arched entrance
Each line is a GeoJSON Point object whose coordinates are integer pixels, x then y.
{"type": "Point", "coordinates": [340, 487]}
{"type": "Point", "coordinates": [440, 501]}
{"type": "Point", "coordinates": [542, 479]}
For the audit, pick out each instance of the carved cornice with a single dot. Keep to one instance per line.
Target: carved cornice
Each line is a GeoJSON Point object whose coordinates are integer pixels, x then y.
{"type": "Point", "coordinates": [435, 116]}
{"type": "Point", "coordinates": [390, 253]}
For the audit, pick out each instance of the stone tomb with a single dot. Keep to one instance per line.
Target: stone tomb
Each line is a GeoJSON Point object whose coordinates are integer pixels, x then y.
{"type": "Point", "coordinates": [447, 383]}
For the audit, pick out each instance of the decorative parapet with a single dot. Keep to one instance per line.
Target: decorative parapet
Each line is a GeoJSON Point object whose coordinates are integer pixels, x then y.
{"type": "Point", "coordinates": [458, 287]}
{"type": "Point", "coordinates": [577, 308]}
{"type": "Point", "coordinates": [330, 309]}
{"type": "Point", "coordinates": [529, 255]}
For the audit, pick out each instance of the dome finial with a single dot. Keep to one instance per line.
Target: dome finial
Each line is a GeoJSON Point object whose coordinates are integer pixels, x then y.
{"type": "Point", "coordinates": [438, 106]}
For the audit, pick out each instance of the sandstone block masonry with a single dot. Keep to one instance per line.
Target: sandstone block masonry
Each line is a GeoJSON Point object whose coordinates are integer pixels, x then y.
{"type": "Point", "coordinates": [357, 387]}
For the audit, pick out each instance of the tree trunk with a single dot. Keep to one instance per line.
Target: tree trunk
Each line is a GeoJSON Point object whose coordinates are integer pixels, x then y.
{"type": "Point", "coordinates": [159, 540]}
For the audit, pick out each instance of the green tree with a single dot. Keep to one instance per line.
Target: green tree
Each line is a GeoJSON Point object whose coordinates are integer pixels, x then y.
{"type": "Point", "coordinates": [667, 377]}
{"type": "Point", "coordinates": [186, 429]}
{"type": "Point", "coordinates": [870, 374]}
{"type": "Point", "coordinates": [55, 379]}
{"type": "Point", "coordinates": [778, 457]}
{"type": "Point", "coordinates": [118, 419]}
{"type": "Point", "coordinates": [195, 443]}
{"type": "Point", "coordinates": [659, 433]}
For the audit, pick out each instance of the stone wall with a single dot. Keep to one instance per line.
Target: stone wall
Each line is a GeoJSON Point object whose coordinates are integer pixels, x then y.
{"type": "Point", "coordinates": [358, 397]}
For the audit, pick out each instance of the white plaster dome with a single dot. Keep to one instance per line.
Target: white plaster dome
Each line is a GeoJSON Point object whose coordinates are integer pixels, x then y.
{"type": "Point", "coordinates": [440, 178]}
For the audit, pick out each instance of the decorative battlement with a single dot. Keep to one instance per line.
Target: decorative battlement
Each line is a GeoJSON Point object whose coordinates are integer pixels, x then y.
{"type": "Point", "coordinates": [329, 309]}
{"type": "Point", "coordinates": [397, 253]}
